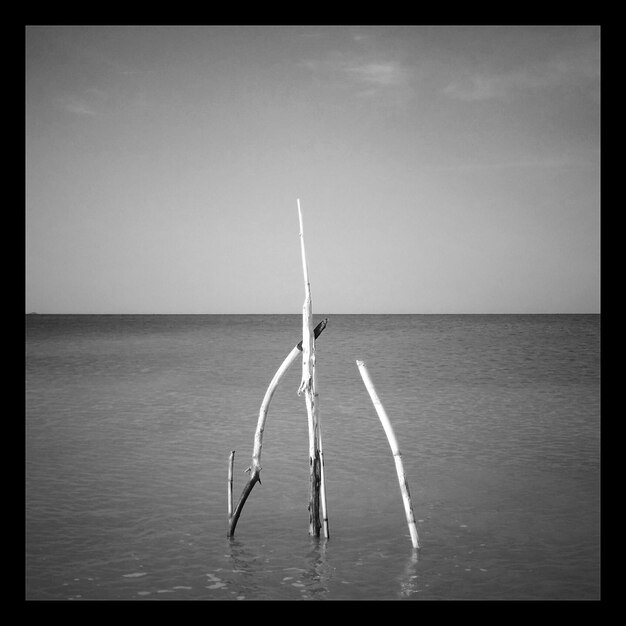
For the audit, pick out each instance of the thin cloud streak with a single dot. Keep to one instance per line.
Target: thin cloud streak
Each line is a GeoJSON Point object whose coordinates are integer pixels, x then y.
{"type": "Point", "coordinates": [88, 102]}
{"type": "Point", "coordinates": [380, 74]}
{"type": "Point", "coordinates": [555, 163]}
{"type": "Point", "coordinates": [370, 71]}
{"type": "Point", "coordinates": [78, 107]}
{"type": "Point", "coordinates": [571, 68]}
{"type": "Point", "coordinates": [93, 102]}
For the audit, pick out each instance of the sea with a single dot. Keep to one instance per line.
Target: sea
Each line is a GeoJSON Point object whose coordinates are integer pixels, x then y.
{"type": "Point", "coordinates": [130, 421]}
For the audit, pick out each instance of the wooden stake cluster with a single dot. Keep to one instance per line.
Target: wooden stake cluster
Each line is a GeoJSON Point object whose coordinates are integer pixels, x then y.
{"type": "Point", "coordinates": [308, 386]}
{"type": "Point", "coordinates": [255, 467]}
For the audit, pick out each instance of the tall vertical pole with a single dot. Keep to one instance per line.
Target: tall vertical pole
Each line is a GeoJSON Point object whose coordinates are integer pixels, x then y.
{"type": "Point", "coordinates": [317, 495]}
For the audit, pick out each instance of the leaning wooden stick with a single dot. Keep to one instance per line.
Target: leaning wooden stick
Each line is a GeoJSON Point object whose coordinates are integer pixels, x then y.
{"type": "Point", "coordinates": [255, 467]}
{"type": "Point", "coordinates": [317, 497]}
{"type": "Point", "coordinates": [393, 443]}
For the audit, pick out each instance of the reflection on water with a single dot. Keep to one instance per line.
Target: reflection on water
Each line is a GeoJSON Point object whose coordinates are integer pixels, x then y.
{"type": "Point", "coordinates": [241, 558]}
{"type": "Point", "coordinates": [267, 573]}
{"type": "Point", "coordinates": [317, 577]}
{"type": "Point", "coordinates": [321, 569]}
{"type": "Point", "coordinates": [409, 579]}
{"type": "Point", "coordinates": [244, 571]}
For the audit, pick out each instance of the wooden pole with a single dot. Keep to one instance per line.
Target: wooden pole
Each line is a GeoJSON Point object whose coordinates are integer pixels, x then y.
{"type": "Point", "coordinates": [255, 467]}
{"type": "Point", "coordinates": [323, 487]}
{"type": "Point", "coordinates": [322, 474]}
{"type": "Point", "coordinates": [393, 443]}
{"type": "Point", "coordinates": [231, 463]}
{"type": "Point", "coordinates": [317, 497]}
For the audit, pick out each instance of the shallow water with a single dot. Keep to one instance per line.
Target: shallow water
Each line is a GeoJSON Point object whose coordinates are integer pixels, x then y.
{"type": "Point", "coordinates": [130, 421]}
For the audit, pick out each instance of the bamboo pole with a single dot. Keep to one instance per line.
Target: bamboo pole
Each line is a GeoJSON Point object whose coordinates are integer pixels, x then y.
{"type": "Point", "coordinates": [255, 467]}
{"type": "Point", "coordinates": [231, 463]}
{"type": "Point", "coordinates": [317, 497]}
{"type": "Point", "coordinates": [397, 457]}
{"type": "Point", "coordinates": [322, 473]}
{"type": "Point", "coordinates": [323, 488]}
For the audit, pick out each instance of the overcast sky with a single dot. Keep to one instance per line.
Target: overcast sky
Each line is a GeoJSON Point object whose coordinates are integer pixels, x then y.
{"type": "Point", "coordinates": [439, 169]}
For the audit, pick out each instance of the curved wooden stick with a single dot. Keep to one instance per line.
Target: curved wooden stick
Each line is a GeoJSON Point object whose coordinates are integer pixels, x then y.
{"type": "Point", "coordinates": [395, 450]}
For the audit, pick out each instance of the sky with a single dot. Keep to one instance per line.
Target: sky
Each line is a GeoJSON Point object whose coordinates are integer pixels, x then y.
{"type": "Point", "coordinates": [439, 169]}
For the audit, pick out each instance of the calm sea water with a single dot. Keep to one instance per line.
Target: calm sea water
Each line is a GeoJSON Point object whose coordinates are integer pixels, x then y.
{"type": "Point", "coordinates": [130, 421]}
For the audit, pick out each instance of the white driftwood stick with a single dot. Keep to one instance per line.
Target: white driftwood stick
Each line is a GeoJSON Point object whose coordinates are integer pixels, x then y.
{"type": "Point", "coordinates": [316, 403]}
{"type": "Point", "coordinates": [323, 487]}
{"type": "Point", "coordinates": [255, 467]}
{"type": "Point", "coordinates": [307, 385]}
{"type": "Point", "coordinates": [269, 394]}
{"type": "Point", "coordinates": [324, 510]}
{"type": "Point", "coordinates": [231, 463]}
{"type": "Point", "coordinates": [265, 405]}
{"type": "Point", "coordinates": [308, 343]}
{"type": "Point", "coordinates": [397, 457]}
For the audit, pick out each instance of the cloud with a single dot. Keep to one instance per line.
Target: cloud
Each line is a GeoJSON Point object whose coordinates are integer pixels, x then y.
{"type": "Point", "coordinates": [557, 162]}
{"type": "Point", "coordinates": [365, 63]}
{"type": "Point", "coordinates": [576, 67]}
{"type": "Point", "coordinates": [367, 76]}
{"type": "Point", "coordinates": [474, 87]}
{"type": "Point", "coordinates": [77, 106]}
{"type": "Point", "coordinates": [88, 102]}
{"type": "Point", "coordinates": [380, 74]}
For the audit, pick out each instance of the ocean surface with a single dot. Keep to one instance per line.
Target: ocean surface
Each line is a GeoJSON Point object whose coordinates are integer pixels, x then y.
{"type": "Point", "coordinates": [130, 420]}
